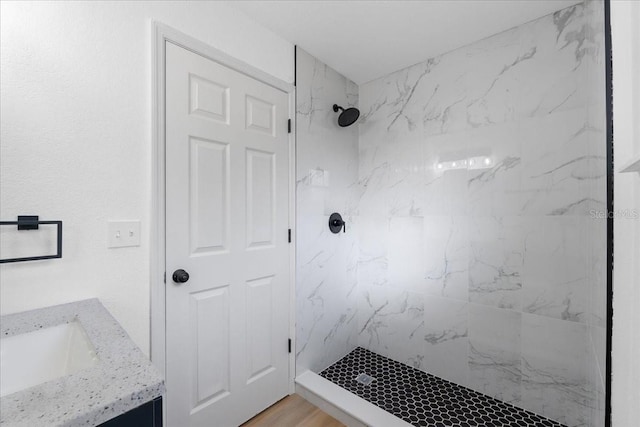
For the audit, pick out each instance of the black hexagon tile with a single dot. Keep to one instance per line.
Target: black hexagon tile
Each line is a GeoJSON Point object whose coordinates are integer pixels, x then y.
{"type": "Point", "coordinates": [422, 399]}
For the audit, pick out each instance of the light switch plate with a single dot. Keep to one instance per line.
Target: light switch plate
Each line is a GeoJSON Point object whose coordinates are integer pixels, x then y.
{"type": "Point", "coordinates": [123, 233]}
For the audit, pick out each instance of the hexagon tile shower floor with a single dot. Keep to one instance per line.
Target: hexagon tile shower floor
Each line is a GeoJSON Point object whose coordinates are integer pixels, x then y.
{"type": "Point", "coordinates": [422, 399]}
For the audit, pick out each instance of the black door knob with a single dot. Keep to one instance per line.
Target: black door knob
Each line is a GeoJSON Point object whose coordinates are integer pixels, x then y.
{"type": "Point", "coordinates": [180, 276]}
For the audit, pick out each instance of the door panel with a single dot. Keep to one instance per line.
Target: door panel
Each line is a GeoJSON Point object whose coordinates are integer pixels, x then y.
{"type": "Point", "coordinates": [260, 116]}
{"type": "Point", "coordinates": [260, 345]}
{"type": "Point", "coordinates": [208, 99]}
{"type": "Point", "coordinates": [227, 217]}
{"type": "Point", "coordinates": [209, 345]}
{"type": "Point", "coordinates": [261, 203]}
{"type": "Point", "coordinates": [209, 191]}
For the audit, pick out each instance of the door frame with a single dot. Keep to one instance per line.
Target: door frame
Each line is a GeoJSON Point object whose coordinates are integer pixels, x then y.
{"type": "Point", "coordinates": [161, 34]}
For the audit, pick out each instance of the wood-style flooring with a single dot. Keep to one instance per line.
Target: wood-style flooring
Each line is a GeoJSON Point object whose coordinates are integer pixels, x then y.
{"type": "Point", "coordinates": [293, 411]}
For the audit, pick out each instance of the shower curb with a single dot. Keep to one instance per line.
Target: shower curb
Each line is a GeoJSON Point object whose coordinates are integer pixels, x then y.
{"type": "Point", "coordinates": [343, 405]}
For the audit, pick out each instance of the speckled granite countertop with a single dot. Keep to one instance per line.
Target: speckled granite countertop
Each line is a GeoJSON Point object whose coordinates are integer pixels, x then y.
{"type": "Point", "coordinates": [123, 378]}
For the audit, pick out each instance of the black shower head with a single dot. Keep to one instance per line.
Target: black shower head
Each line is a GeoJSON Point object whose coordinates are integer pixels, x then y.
{"type": "Point", "coordinates": [348, 116]}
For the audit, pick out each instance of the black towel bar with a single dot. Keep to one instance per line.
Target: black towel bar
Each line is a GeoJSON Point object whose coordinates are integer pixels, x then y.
{"type": "Point", "coordinates": [31, 222]}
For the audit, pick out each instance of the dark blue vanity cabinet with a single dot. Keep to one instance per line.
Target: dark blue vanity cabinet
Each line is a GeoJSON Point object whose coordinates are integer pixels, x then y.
{"type": "Point", "coordinates": [147, 415]}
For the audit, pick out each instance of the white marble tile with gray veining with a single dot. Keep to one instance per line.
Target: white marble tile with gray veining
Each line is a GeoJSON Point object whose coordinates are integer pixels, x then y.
{"type": "Point", "coordinates": [391, 323]}
{"type": "Point", "coordinates": [494, 352]}
{"type": "Point", "coordinates": [326, 299]}
{"type": "Point", "coordinates": [372, 234]}
{"type": "Point", "coordinates": [494, 161]}
{"type": "Point", "coordinates": [446, 256]}
{"type": "Point", "coordinates": [555, 273]}
{"type": "Point", "coordinates": [326, 182]}
{"type": "Point", "coordinates": [405, 253]}
{"type": "Point", "coordinates": [446, 190]}
{"type": "Point", "coordinates": [391, 178]}
{"type": "Point", "coordinates": [560, 173]}
{"type": "Point", "coordinates": [446, 338]}
{"type": "Point", "coordinates": [496, 261]}
{"type": "Point", "coordinates": [492, 81]}
{"type": "Point", "coordinates": [554, 369]}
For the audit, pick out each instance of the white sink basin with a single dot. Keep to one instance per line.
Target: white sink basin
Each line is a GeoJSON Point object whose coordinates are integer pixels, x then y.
{"type": "Point", "coordinates": [35, 357]}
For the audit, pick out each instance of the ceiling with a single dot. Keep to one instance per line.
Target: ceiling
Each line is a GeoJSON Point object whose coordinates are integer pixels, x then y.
{"type": "Point", "coordinates": [364, 40]}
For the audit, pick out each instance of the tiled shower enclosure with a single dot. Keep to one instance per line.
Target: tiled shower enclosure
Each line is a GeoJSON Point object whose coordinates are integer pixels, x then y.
{"type": "Point", "coordinates": [471, 188]}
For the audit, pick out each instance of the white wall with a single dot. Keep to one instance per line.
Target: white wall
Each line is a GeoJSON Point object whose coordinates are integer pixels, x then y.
{"type": "Point", "coordinates": [76, 137]}
{"type": "Point", "coordinates": [625, 16]}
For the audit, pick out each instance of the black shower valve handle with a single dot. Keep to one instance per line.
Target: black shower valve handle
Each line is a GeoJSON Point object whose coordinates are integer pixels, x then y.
{"type": "Point", "coordinates": [340, 224]}
{"type": "Point", "coordinates": [336, 223]}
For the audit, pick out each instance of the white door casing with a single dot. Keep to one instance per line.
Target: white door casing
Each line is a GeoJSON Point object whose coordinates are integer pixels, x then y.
{"type": "Point", "coordinates": [227, 204]}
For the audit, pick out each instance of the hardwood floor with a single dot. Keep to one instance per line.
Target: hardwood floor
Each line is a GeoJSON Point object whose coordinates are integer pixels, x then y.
{"type": "Point", "coordinates": [293, 411]}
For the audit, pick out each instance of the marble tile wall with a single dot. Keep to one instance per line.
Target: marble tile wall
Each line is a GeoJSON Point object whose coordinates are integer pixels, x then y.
{"type": "Point", "coordinates": [481, 259]}
{"type": "Point", "coordinates": [327, 164]}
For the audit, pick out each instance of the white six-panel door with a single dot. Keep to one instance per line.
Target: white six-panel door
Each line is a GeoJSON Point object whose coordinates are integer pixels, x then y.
{"type": "Point", "coordinates": [226, 225]}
